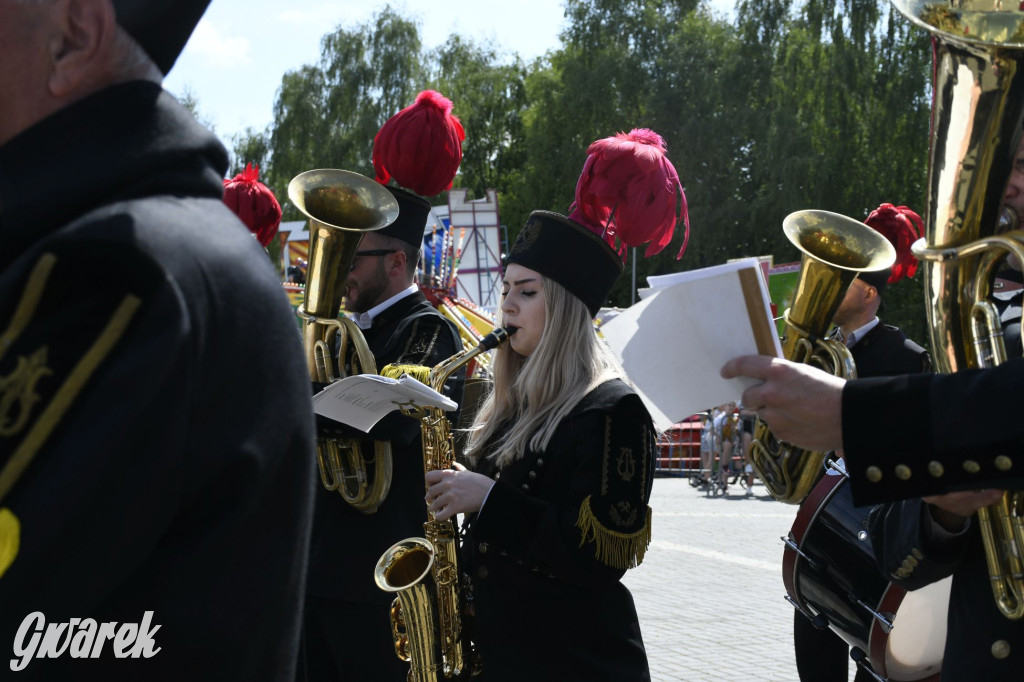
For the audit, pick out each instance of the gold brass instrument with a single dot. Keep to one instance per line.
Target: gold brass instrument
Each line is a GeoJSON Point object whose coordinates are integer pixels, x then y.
{"type": "Point", "coordinates": [341, 207]}
{"type": "Point", "coordinates": [426, 616]}
{"type": "Point", "coordinates": [977, 114]}
{"type": "Point", "coordinates": [834, 250]}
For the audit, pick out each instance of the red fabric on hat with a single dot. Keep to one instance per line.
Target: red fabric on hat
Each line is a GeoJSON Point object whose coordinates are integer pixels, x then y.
{"type": "Point", "coordinates": [420, 146]}
{"type": "Point", "coordinates": [253, 203]}
{"type": "Point", "coordinates": [902, 227]}
{"type": "Point", "coordinates": [627, 192]}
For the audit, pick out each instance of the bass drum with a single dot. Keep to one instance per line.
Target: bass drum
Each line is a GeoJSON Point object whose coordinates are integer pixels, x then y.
{"type": "Point", "coordinates": [829, 571]}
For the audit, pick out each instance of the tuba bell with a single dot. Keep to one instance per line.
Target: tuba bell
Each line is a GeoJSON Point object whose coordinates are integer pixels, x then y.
{"type": "Point", "coordinates": [341, 207]}
{"type": "Point", "coordinates": [835, 249]}
{"type": "Point", "coordinates": [977, 113]}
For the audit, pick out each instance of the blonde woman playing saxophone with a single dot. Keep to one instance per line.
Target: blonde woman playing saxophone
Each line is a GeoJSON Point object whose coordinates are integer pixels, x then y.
{"type": "Point", "coordinates": [563, 457]}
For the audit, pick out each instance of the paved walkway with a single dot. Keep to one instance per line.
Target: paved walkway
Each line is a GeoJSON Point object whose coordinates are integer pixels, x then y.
{"type": "Point", "coordinates": [710, 592]}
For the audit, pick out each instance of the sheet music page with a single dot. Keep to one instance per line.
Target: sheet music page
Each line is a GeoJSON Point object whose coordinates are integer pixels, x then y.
{"type": "Point", "coordinates": [673, 343]}
{"type": "Point", "coordinates": [362, 400]}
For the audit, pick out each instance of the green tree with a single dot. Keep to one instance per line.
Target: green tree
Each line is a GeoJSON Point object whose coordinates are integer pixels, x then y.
{"type": "Point", "coordinates": [188, 100]}
{"type": "Point", "coordinates": [489, 99]}
{"type": "Point", "coordinates": [250, 146]}
{"type": "Point", "coordinates": [846, 112]}
{"type": "Point", "coordinates": [326, 115]}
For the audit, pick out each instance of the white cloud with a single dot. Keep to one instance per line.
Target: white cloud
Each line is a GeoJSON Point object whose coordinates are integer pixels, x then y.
{"type": "Point", "coordinates": [215, 45]}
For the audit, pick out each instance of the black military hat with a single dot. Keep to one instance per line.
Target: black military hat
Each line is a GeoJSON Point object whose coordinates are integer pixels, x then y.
{"type": "Point", "coordinates": [570, 254]}
{"type": "Point", "coordinates": [161, 27]}
{"type": "Point", "coordinates": [411, 222]}
{"type": "Point", "coordinates": [877, 278]}
{"type": "Point", "coordinates": [626, 196]}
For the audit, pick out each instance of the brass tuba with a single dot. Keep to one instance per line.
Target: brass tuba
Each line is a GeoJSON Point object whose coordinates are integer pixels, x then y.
{"type": "Point", "coordinates": [834, 250]}
{"type": "Point", "coordinates": [426, 615]}
{"type": "Point", "coordinates": [341, 206]}
{"type": "Point", "coordinates": [977, 114]}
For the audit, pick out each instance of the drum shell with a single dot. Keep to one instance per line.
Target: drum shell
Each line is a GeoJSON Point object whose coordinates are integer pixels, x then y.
{"type": "Point", "coordinates": [838, 579]}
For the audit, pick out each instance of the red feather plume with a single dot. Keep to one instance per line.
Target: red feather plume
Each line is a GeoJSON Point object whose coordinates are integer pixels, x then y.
{"type": "Point", "coordinates": [627, 192]}
{"type": "Point", "coordinates": [253, 203]}
{"type": "Point", "coordinates": [420, 146]}
{"type": "Point", "coordinates": [902, 227]}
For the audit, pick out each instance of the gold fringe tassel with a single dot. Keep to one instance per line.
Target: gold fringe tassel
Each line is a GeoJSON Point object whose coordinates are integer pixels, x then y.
{"type": "Point", "coordinates": [417, 372]}
{"type": "Point", "coordinates": [612, 548]}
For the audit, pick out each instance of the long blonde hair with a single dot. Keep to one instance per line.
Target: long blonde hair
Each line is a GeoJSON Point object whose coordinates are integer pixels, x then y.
{"type": "Point", "coordinates": [535, 393]}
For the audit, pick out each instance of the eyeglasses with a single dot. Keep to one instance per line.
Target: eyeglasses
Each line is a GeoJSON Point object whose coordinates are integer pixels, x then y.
{"type": "Point", "coordinates": [370, 253]}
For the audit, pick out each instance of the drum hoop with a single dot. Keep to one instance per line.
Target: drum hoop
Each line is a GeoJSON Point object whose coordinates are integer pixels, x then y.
{"type": "Point", "coordinates": [877, 637]}
{"type": "Point", "coordinates": [812, 505]}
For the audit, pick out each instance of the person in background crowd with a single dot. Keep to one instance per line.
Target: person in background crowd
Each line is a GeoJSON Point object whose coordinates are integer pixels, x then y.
{"type": "Point", "coordinates": [725, 428]}
{"type": "Point", "coordinates": [747, 420]}
{"type": "Point", "coordinates": [707, 445]}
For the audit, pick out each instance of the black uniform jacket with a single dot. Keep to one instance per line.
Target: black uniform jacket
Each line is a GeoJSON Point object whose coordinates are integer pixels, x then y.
{"type": "Point", "coordinates": [546, 553]}
{"type": "Point", "coordinates": [886, 351]}
{"type": "Point", "coordinates": [981, 644]}
{"type": "Point", "coordinates": [346, 542]}
{"type": "Point", "coordinates": [152, 381]}
{"type": "Point", "coordinates": [912, 436]}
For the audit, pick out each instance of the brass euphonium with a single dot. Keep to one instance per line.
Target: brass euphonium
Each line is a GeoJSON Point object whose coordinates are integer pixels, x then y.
{"type": "Point", "coordinates": [977, 114]}
{"type": "Point", "coordinates": [426, 615]}
{"type": "Point", "coordinates": [835, 249]}
{"type": "Point", "coordinates": [341, 207]}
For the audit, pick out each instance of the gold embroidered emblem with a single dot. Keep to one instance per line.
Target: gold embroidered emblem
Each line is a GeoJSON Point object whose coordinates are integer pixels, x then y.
{"type": "Point", "coordinates": [18, 394]}
{"type": "Point", "coordinates": [626, 464]}
{"type": "Point", "coordinates": [622, 514]}
{"type": "Point", "coordinates": [527, 237]}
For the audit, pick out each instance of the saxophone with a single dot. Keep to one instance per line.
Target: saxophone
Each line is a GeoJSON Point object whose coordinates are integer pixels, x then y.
{"type": "Point", "coordinates": [977, 114]}
{"type": "Point", "coordinates": [341, 206]}
{"type": "Point", "coordinates": [834, 250]}
{"type": "Point", "coordinates": [426, 616]}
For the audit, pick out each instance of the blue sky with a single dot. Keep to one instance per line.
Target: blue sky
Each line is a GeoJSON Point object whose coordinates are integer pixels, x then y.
{"type": "Point", "coordinates": [234, 62]}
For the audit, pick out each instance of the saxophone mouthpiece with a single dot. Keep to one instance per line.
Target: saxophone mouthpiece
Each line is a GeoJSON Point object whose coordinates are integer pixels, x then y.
{"type": "Point", "coordinates": [496, 338]}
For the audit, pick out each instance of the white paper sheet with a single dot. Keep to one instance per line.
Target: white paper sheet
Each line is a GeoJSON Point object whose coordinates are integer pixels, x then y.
{"type": "Point", "coordinates": [363, 400]}
{"type": "Point", "coordinates": [674, 342]}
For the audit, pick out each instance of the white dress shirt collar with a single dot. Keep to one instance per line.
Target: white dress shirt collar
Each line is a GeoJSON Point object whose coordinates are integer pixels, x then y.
{"type": "Point", "coordinates": [858, 333]}
{"type": "Point", "coordinates": [365, 320]}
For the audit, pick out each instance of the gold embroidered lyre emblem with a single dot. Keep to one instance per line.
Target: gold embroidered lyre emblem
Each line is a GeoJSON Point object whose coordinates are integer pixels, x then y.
{"type": "Point", "coordinates": [18, 392]}
{"type": "Point", "coordinates": [626, 464]}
